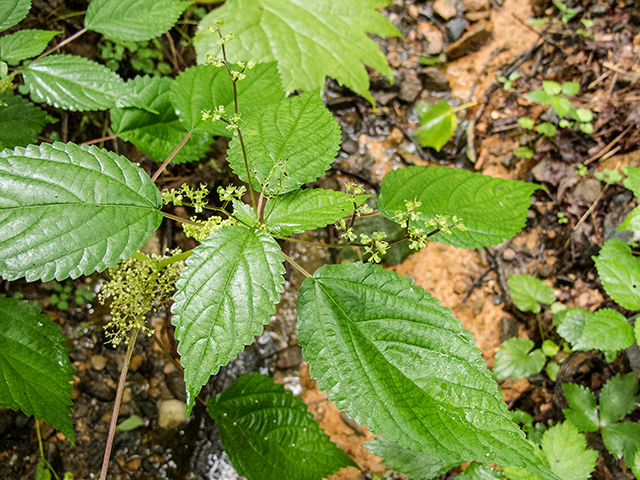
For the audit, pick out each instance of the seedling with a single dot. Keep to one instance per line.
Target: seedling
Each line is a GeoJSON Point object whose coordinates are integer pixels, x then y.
{"type": "Point", "coordinates": [507, 83]}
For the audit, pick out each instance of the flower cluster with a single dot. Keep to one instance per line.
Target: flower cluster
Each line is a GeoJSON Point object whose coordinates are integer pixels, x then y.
{"type": "Point", "coordinates": [204, 228]}
{"type": "Point", "coordinates": [213, 115]}
{"type": "Point", "coordinates": [196, 197]}
{"type": "Point", "coordinates": [376, 246]}
{"type": "Point", "coordinates": [231, 192]}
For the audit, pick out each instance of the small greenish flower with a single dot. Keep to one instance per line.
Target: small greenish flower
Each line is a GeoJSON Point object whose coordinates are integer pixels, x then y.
{"type": "Point", "coordinates": [231, 192]}
{"type": "Point", "coordinates": [204, 228]}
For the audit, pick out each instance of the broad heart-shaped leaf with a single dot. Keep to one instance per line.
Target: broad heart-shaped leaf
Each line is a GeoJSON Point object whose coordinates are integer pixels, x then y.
{"type": "Point", "coordinates": [309, 40]}
{"type": "Point", "coordinates": [68, 210]}
{"type": "Point", "coordinates": [605, 330]}
{"type": "Point", "coordinates": [618, 397]}
{"type": "Point", "coordinates": [35, 371]}
{"type": "Point", "coordinates": [395, 360]}
{"type": "Point", "coordinates": [566, 451]}
{"type": "Point", "coordinates": [269, 434]}
{"type": "Point", "coordinates": [302, 210]}
{"type": "Point", "coordinates": [25, 44]}
{"type": "Point", "coordinates": [226, 294]}
{"type": "Point", "coordinates": [619, 273]}
{"type": "Point", "coordinates": [437, 124]}
{"type": "Point", "coordinates": [288, 143]}
{"type": "Point", "coordinates": [133, 20]}
{"type": "Point", "coordinates": [157, 134]}
{"type": "Point", "coordinates": [513, 360]}
{"type": "Point", "coordinates": [570, 323]}
{"type": "Point", "coordinates": [528, 292]}
{"type": "Point", "coordinates": [75, 83]}
{"type": "Point", "coordinates": [12, 12]}
{"type": "Point", "coordinates": [622, 440]}
{"type": "Point", "coordinates": [415, 465]}
{"type": "Point", "coordinates": [204, 87]}
{"type": "Point", "coordinates": [492, 209]}
{"type": "Point", "coordinates": [20, 120]}
{"type": "Point", "coordinates": [582, 411]}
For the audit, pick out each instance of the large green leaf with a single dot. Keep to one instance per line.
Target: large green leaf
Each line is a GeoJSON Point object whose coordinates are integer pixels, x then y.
{"type": "Point", "coordinates": [309, 40]}
{"type": "Point", "coordinates": [566, 451]}
{"type": "Point", "coordinates": [513, 360]}
{"type": "Point", "coordinates": [269, 434]}
{"type": "Point", "coordinates": [622, 440]}
{"type": "Point", "coordinates": [478, 471]}
{"type": "Point", "coordinates": [202, 88]}
{"type": "Point", "coordinates": [75, 83]}
{"type": "Point", "coordinates": [157, 134]}
{"type": "Point", "coordinates": [226, 294]}
{"type": "Point", "coordinates": [619, 273]}
{"type": "Point", "coordinates": [288, 144]}
{"type": "Point", "coordinates": [12, 12]}
{"type": "Point", "coordinates": [529, 292]}
{"type": "Point", "coordinates": [415, 465]}
{"type": "Point", "coordinates": [133, 20]}
{"type": "Point", "coordinates": [35, 371]}
{"type": "Point", "coordinates": [582, 411]}
{"type": "Point", "coordinates": [394, 359]}
{"type": "Point", "coordinates": [25, 44]}
{"type": "Point", "coordinates": [68, 210]}
{"type": "Point", "coordinates": [309, 209]}
{"type": "Point", "coordinates": [20, 120]}
{"type": "Point", "coordinates": [437, 124]}
{"type": "Point", "coordinates": [605, 330]}
{"type": "Point", "coordinates": [632, 182]}
{"type": "Point", "coordinates": [492, 209]}
{"type": "Point", "coordinates": [618, 397]}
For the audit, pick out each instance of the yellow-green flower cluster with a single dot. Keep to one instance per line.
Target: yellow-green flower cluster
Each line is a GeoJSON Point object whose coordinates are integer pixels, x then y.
{"type": "Point", "coordinates": [377, 247]}
{"type": "Point", "coordinates": [196, 197]}
{"type": "Point", "coordinates": [347, 233]}
{"type": "Point", "coordinates": [204, 228]}
{"type": "Point", "coordinates": [442, 222]}
{"type": "Point", "coordinates": [231, 192]}
{"type": "Point", "coordinates": [411, 213]}
{"type": "Point", "coordinates": [213, 115]}
{"type": "Point", "coordinates": [234, 122]}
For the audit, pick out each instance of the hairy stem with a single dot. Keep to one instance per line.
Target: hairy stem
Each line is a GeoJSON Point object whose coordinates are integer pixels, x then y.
{"type": "Point", "coordinates": [173, 154]}
{"type": "Point", "coordinates": [295, 264]}
{"type": "Point", "coordinates": [63, 43]}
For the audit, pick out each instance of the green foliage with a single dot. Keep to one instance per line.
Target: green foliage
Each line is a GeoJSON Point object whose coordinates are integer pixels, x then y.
{"type": "Point", "coordinates": [528, 292]}
{"type": "Point", "coordinates": [24, 44]}
{"type": "Point", "coordinates": [35, 371]}
{"type": "Point", "coordinates": [145, 57]}
{"type": "Point", "coordinates": [605, 329]}
{"type": "Point", "coordinates": [130, 423]}
{"type": "Point", "coordinates": [12, 12]}
{"type": "Point", "coordinates": [513, 359]}
{"type": "Point", "coordinates": [623, 441]}
{"type": "Point", "coordinates": [478, 471]}
{"type": "Point", "coordinates": [269, 434]}
{"type": "Point", "coordinates": [608, 176]}
{"type": "Point", "coordinates": [619, 273]}
{"type": "Point", "coordinates": [523, 152]}
{"type": "Point", "coordinates": [582, 411]}
{"type": "Point", "coordinates": [310, 40]}
{"type": "Point", "coordinates": [632, 182]}
{"type": "Point", "coordinates": [20, 120]}
{"type": "Point", "coordinates": [507, 83]}
{"type": "Point", "coordinates": [437, 124]}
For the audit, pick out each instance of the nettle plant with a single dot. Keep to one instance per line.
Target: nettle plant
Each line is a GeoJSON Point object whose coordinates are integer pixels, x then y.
{"type": "Point", "coordinates": [384, 350]}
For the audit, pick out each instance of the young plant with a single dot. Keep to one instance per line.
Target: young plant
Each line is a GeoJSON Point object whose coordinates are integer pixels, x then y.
{"type": "Point", "coordinates": [437, 123]}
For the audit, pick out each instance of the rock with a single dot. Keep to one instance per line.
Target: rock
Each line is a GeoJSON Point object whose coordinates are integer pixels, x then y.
{"type": "Point", "coordinates": [98, 362]}
{"type": "Point", "coordinates": [434, 80]}
{"type": "Point", "coordinates": [478, 16]}
{"type": "Point", "coordinates": [433, 37]}
{"type": "Point", "coordinates": [136, 362]}
{"type": "Point", "coordinates": [171, 413]}
{"type": "Point", "coordinates": [460, 287]}
{"type": "Point", "coordinates": [471, 41]}
{"type": "Point", "coordinates": [508, 328]}
{"type": "Point", "coordinates": [394, 139]}
{"type": "Point", "coordinates": [456, 28]}
{"type": "Point", "coordinates": [475, 5]}
{"type": "Point", "coordinates": [586, 191]}
{"type": "Point", "coordinates": [550, 171]}
{"type": "Point", "coordinates": [599, 10]}
{"type": "Point", "coordinates": [445, 8]}
{"type": "Point", "coordinates": [509, 255]}
{"type": "Point", "coordinates": [383, 98]}
{"type": "Point", "coordinates": [410, 89]}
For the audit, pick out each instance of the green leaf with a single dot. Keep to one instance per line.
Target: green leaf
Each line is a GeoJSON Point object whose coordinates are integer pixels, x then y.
{"type": "Point", "coordinates": [607, 330]}
{"type": "Point", "coordinates": [415, 465]}
{"type": "Point", "coordinates": [133, 20]}
{"type": "Point", "coordinates": [551, 88]}
{"type": "Point", "coordinates": [269, 434]}
{"type": "Point", "coordinates": [528, 292]}
{"type": "Point", "coordinates": [244, 213]}
{"type": "Point", "coordinates": [12, 12]}
{"type": "Point", "coordinates": [130, 423]}
{"type": "Point", "coordinates": [20, 120]}
{"type": "Point", "coordinates": [68, 210]}
{"type": "Point", "coordinates": [584, 115]}
{"type": "Point", "coordinates": [550, 348]}
{"type": "Point", "coordinates": [622, 440]}
{"type": "Point", "coordinates": [309, 40]}
{"type": "Point", "coordinates": [566, 451]}
{"type": "Point", "coordinates": [157, 134]}
{"type": "Point", "coordinates": [632, 182]}
{"type": "Point", "coordinates": [586, 128]}
{"type": "Point", "coordinates": [523, 152]}
{"type": "Point", "coordinates": [478, 471]}
{"type": "Point", "coordinates": [619, 273]}
{"type": "Point", "coordinates": [515, 473]}
{"type": "Point", "coordinates": [537, 96]}
{"type": "Point", "coordinates": [25, 44]}
{"type": "Point", "coordinates": [492, 209]}
{"type": "Point", "coordinates": [35, 371]}
{"type": "Point", "coordinates": [394, 359]}
{"type": "Point", "coordinates": [547, 129]}
{"type": "Point", "coordinates": [618, 397]}
{"type": "Point", "coordinates": [42, 472]}
{"type": "Point", "coordinates": [204, 87]}
{"type": "Point", "coordinates": [635, 465]}
{"type": "Point", "coordinates": [308, 209]}
{"type": "Point", "coordinates": [513, 360]}
{"type": "Point", "coordinates": [570, 323]}
{"type": "Point", "coordinates": [226, 294]}
{"type": "Point", "coordinates": [561, 105]}
{"type": "Point", "coordinates": [571, 88]}
{"type": "Point", "coordinates": [526, 122]}
{"type": "Point", "coordinates": [74, 83]}
{"type": "Point", "coordinates": [437, 124]}
{"type": "Point", "coordinates": [552, 370]}
{"type": "Point", "coordinates": [289, 143]}
{"type": "Point", "coordinates": [582, 411]}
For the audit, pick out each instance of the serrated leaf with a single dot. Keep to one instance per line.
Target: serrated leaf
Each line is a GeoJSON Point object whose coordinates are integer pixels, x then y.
{"type": "Point", "coordinates": [309, 40]}
{"type": "Point", "coordinates": [25, 44]}
{"type": "Point", "coordinates": [69, 210]}
{"type": "Point", "coordinates": [415, 465]}
{"type": "Point", "coordinates": [492, 209]}
{"type": "Point", "coordinates": [302, 210]}
{"type": "Point", "coordinates": [582, 411]}
{"type": "Point", "coordinates": [20, 120]}
{"type": "Point", "coordinates": [133, 20]}
{"type": "Point", "coordinates": [12, 12]}
{"type": "Point", "coordinates": [157, 134]}
{"type": "Point", "coordinates": [622, 440]}
{"type": "Point", "coordinates": [35, 371]}
{"type": "Point", "coordinates": [226, 294]}
{"type": "Point", "coordinates": [269, 434]}
{"type": "Point", "coordinates": [299, 132]}
{"type": "Point", "coordinates": [570, 323]}
{"type": "Point", "coordinates": [437, 125]}
{"type": "Point", "coordinates": [478, 471]}
{"type": "Point", "coordinates": [513, 359]}
{"type": "Point", "coordinates": [394, 359]}
{"type": "Point", "coordinates": [619, 273]}
{"type": "Point", "coordinates": [566, 451]}
{"type": "Point", "coordinates": [529, 292]}
{"type": "Point", "coordinates": [515, 473]}
{"type": "Point", "coordinates": [605, 330]}
{"type": "Point", "coordinates": [204, 87]}
{"type": "Point", "coordinates": [618, 397]}
{"type": "Point", "coordinates": [632, 222]}
{"type": "Point", "coordinates": [244, 213]}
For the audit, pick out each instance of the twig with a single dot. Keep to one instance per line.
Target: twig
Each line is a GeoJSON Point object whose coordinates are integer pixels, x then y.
{"type": "Point", "coordinates": [476, 283]}
{"type": "Point", "coordinates": [606, 149]}
{"type": "Point", "coordinates": [528, 27]}
{"type": "Point", "coordinates": [591, 208]}
{"type": "Point", "coordinates": [295, 264]}
{"type": "Point", "coordinates": [173, 154]}
{"type": "Point", "coordinates": [484, 69]}
{"type": "Point", "coordinates": [98, 140]}
{"type": "Point", "coordinates": [63, 43]}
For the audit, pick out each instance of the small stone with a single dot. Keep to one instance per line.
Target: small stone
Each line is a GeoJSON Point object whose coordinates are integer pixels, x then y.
{"type": "Point", "coordinates": [586, 191]}
{"type": "Point", "coordinates": [434, 80]}
{"type": "Point", "coordinates": [433, 37]}
{"type": "Point", "coordinates": [478, 305]}
{"type": "Point", "coordinates": [456, 28]}
{"type": "Point", "coordinates": [134, 464]}
{"type": "Point", "coordinates": [475, 5]}
{"type": "Point", "coordinates": [460, 287]}
{"type": "Point", "coordinates": [290, 358]}
{"type": "Point", "coordinates": [599, 10]}
{"type": "Point", "coordinates": [171, 413]}
{"type": "Point", "coordinates": [546, 270]}
{"type": "Point", "coordinates": [509, 255]}
{"type": "Point", "coordinates": [471, 41]}
{"type": "Point", "coordinates": [394, 139]}
{"type": "Point", "coordinates": [98, 362]}
{"type": "Point", "coordinates": [445, 8]}
{"type": "Point", "coordinates": [410, 88]}
{"type": "Point", "coordinates": [551, 234]}
{"type": "Point", "coordinates": [136, 362]}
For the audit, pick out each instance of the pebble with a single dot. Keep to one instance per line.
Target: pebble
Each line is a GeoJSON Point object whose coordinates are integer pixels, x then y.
{"type": "Point", "coordinates": [434, 80]}
{"type": "Point", "coordinates": [460, 287]}
{"type": "Point", "coordinates": [410, 88]}
{"type": "Point", "coordinates": [471, 41]}
{"type": "Point", "coordinates": [456, 28]}
{"type": "Point", "coordinates": [171, 413]}
{"type": "Point", "coordinates": [509, 255]}
{"type": "Point", "coordinates": [475, 5]}
{"type": "Point", "coordinates": [434, 38]}
{"type": "Point", "coordinates": [136, 362]}
{"type": "Point", "coordinates": [98, 362]}
{"type": "Point", "coordinates": [445, 8]}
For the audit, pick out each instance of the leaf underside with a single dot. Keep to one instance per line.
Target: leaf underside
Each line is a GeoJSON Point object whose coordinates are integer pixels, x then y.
{"type": "Point", "coordinates": [20, 121]}
{"type": "Point", "coordinates": [437, 124]}
{"type": "Point", "coordinates": [68, 210]}
{"type": "Point", "coordinates": [619, 272]}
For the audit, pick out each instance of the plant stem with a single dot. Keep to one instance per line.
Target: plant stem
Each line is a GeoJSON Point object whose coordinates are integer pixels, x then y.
{"type": "Point", "coordinates": [539, 318]}
{"type": "Point", "coordinates": [180, 219]}
{"type": "Point", "coordinates": [98, 140]}
{"type": "Point", "coordinates": [44, 460]}
{"type": "Point", "coordinates": [465, 106]}
{"type": "Point", "coordinates": [63, 43]}
{"type": "Point", "coordinates": [173, 259]}
{"type": "Point", "coordinates": [173, 154]}
{"type": "Point", "coordinates": [116, 405]}
{"type": "Point", "coordinates": [295, 264]}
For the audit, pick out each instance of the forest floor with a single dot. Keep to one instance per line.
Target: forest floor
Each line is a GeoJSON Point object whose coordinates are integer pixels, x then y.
{"type": "Point", "coordinates": [567, 223]}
